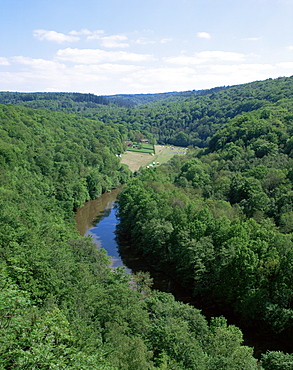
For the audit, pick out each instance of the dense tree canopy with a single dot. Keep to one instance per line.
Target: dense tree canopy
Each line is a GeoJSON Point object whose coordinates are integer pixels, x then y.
{"type": "Point", "coordinates": [219, 220]}
{"type": "Point", "coordinates": [192, 119]}
{"type": "Point", "coordinates": [178, 118]}
{"type": "Point", "coordinates": [61, 305]}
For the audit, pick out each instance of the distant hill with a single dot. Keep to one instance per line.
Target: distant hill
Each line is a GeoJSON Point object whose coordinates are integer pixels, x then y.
{"type": "Point", "coordinates": [176, 118]}
{"type": "Point", "coordinates": [218, 220]}
{"type": "Point", "coordinates": [56, 101]}
{"type": "Point", "coordinates": [190, 118]}
{"type": "Point", "coordinates": [80, 103]}
{"type": "Point", "coordinates": [141, 99]}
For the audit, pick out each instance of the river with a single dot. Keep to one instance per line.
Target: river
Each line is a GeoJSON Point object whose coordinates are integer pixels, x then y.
{"type": "Point", "coordinates": [98, 219]}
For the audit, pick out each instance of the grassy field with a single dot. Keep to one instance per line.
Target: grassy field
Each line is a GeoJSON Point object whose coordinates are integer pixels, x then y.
{"type": "Point", "coordinates": [135, 160]}
{"type": "Point", "coordinates": [145, 148]}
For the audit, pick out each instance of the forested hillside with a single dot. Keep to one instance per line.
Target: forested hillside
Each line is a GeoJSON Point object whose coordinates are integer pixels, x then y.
{"type": "Point", "coordinates": [178, 118]}
{"type": "Point", "coordinates": [64, 102]}
{"type": "Point", "coordinates": [61, 305]}
{"type": "Point", "coordinates": [220, 221]}
{"type": "Point", "coordinates": [193, 120]}
{"type": "Point", "coordinates": [84, 103]}
{"type": "Point", "coordinates": [133, 100]}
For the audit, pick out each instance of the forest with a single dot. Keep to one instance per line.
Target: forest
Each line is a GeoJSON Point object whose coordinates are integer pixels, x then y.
{"type": "Point", "coordinates": [218, 220]}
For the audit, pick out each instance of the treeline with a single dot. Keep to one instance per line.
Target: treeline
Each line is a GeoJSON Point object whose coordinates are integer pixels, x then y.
{"type": "Point", "coordinates": [194, 119]}
{"type": "Point", "coordinates": [220, 222]}
{"type": "Point", "coordinates": [80, 103]}
{"type": "Point", "coordinates": [61, 305]}
{"type": "Point", "coordinates": [178, 118]}
{"type": "Point", "coordinates": [16, 97]}
{"type": "Point", "coordinates": [73, 155]}
{"type": "Point", "coordinates": [133, 100]}
{"type": "Point", "coordinates": [66, 102]}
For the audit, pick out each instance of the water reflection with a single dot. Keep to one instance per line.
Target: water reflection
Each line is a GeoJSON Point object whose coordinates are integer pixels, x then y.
{"type": "Point", "coordinates": [88, 215]}
{"type": "Point", "coordinates": [97, 218]}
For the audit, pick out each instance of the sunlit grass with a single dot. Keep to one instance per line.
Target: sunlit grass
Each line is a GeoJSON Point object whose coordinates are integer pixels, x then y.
{"type": "Point", "coordinates": [142, 148]}
{"type": "Point", "coordinates": [135, 160]}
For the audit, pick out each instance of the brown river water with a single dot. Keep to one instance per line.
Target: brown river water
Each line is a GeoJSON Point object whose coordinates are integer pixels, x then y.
{"type": "Point", "coordinates": [97, 218]}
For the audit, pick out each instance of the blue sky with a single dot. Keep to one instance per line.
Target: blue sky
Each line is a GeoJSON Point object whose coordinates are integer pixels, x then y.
{"type": "Point", "coordinates": [125, 46]}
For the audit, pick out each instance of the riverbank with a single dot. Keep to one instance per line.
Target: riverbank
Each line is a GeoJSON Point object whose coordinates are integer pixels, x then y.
{"type": "Point", "coordinates": [98, 219]}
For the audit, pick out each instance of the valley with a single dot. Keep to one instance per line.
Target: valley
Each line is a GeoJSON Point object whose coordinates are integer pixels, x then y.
{"type": "Point", "coordinates": [216, 217]}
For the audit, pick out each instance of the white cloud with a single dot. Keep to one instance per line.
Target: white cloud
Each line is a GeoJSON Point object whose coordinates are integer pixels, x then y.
{"type": "Point", "coordinates": [290, 47]}
{"type": "Point", "coordinates": [169, 75]}
{"type": "Point", "coordinates": [106, 69]}
{"type": "Point", "coordinates": [203, 35]}
{"type": "Point", "coordinates": [103, 71]}
{"type": "Point", "coordinates": [113, 78]}
{"type": "Point", "coordinates": [251, 38]}
{"type": "Point", "coordinates": [95, 35]}
{"type": "Point", "coordinates": [205, 57]}
{"type": "Point", "coordinates": [8, 80]}
{"type": "Point", "coordinates": [144, 41]}
{"type": "Point", "coordinates": [183, 60]}
{"type": "Point", "coordinates": [31, 74]}
{"type": "Point", "coordinates": [114, 41]}
{"type": "Point", "coordinates": [164, 41]}
{"type": "Point", "coordinates": [226, 56]}
{"type": "Point", "coordinates": [85, 32]}
{"type": "Point", "coordinates": [286, 65]}
{"type": "Point", "coordinates": [94, 56]}
{"type": "Point", "coordinates": [4, 62]}
{"type": "Point", "coordinates": [54, 36]}
{"type": "Point", "coordinates": [240, 68]}
{"type": "Point", "coordinates": [37, 63]}
{"type": "Point", "coordinates": [160, 79]}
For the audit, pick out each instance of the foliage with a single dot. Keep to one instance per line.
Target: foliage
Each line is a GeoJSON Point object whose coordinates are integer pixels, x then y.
{"type": "Point", "coordinates": [78, 102]}
{"type": "Point", "coordinates": [142, 148]}
{"type": "Point", "coordinates": [277, 361]}
{"type": "Point", "coordinates": [178, 118]}
{"type": "Point", "coordinates": [219, 221]}
{"type": "Point", "coordinates": [66, 102]}
{"type": "Point", "coordinates": [61, 305]}
{"type": "Point", "coordinates": [192, 119]}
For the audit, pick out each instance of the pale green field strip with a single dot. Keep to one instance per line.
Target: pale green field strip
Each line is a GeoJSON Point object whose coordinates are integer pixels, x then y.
{"type": "Point", "coordinates": [135, 160]}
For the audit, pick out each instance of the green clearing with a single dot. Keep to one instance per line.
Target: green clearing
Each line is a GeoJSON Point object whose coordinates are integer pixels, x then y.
{"type": "Point", "coordinates": [142, 148]}
{"type": "Point", "coordinates": [135, 160]}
